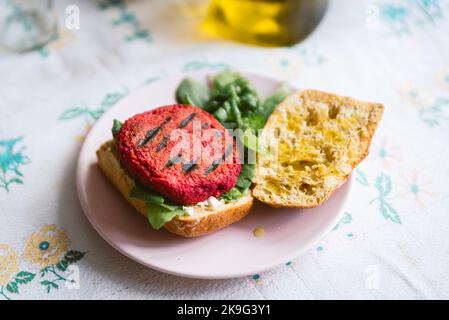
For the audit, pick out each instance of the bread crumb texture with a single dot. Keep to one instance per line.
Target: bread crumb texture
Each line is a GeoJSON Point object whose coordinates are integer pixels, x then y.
{"type": "Point", "coordinates": [314, 140]}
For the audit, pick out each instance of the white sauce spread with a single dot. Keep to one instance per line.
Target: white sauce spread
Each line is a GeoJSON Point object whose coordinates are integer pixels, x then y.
{"type": "Point", "coordinates": [210, 204]}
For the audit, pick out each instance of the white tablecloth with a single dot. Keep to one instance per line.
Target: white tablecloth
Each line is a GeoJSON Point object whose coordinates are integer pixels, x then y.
{"type": "Point", "coordinates": [392, 240]}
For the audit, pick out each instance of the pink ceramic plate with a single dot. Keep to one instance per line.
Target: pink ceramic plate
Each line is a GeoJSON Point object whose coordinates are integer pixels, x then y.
{"type": "Point", "coordinates": [228, 253]}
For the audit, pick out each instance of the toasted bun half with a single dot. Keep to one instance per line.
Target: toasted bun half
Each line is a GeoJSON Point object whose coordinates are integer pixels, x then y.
{"type": "Point", "coordinates": [321, 137]}
{"type": "Point", "coordinates": [203, 222]}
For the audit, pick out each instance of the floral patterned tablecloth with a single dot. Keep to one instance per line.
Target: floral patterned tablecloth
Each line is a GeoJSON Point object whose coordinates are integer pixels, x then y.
{"type": "Point", "coordinates": [391, 241]}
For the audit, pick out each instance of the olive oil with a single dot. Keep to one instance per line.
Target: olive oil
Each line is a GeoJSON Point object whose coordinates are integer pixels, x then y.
{"type": "Point", "coordinates": [264, 22]}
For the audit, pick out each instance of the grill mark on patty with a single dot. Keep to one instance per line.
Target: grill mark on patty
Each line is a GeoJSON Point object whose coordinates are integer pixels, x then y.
{"type": "Point", "coordinates": [173, 161]}
{"type": "Point", "coordinates": [213, 166]}
{"type": "Point", "coordinates": [187, 120]}
{"type": "Point", "coordinates": [217, 162]}
{"type": "Point", "coordinates": [190, 166]}
{"type": "Point", "coordinates": [162, 144]}
{"type": "Point", "coordinates": [152, 133]}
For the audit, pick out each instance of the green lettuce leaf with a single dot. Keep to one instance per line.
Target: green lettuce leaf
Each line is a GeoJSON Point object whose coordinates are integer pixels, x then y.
{"type": "Point", "coordinates": [146, 195]}
{"type": "Point", "coordinates": [160, 214]}
{"type": "Point", "coordinates": [159, 211]}
{"type": "Point", "coordinates": [116, 126]}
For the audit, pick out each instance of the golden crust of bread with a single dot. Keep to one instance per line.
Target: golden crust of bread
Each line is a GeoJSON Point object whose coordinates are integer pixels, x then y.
{"type": "Point", "coordinates": [322, 138]}
{"type": "Point", "coordinates": [203, 222]}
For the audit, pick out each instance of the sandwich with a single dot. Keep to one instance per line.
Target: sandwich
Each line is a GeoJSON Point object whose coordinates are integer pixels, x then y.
{"type": "Point", "coordinates": [307, 144]}
{"type": "Point", "coordinates": [189, 195]}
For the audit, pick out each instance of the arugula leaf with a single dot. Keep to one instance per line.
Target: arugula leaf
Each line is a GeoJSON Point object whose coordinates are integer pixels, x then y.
{"type": "Point", "coordinates": [255, 121]}
{"type": "Point", "coordinates": [221, 115]}
{"type": "Point", "coordinates": [235, 94]}
{"type": "Point", "coordinates": [234, 101]}
{"type": "Point", "coordinates": [232, 195]}
{"type": "Point", "coordinates": [276, 97]}
{"type": "Point", "coordinates": [192, 92]}
{"type": "Point", "coordinates": [253, 146]}
{"type": "Point", "coordinates": [243, 183]}
{"type": "Point", "coordinates": [224, 78]}
{"type": "Point", "coordinates": [249, 140]}
{"type": "Point", "coordinates": [248, 171]}
{"type": "Point", "coordinates": [116, 126]}
{"type": "Point", "coordinates": [188, 100]}
{"type": "Point", "coordinates": [258, 118]}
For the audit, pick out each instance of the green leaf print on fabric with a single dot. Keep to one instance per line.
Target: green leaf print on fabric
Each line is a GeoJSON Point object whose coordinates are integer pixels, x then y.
{"type": "Point", "coordinates": [383, 185]}
{"type": "Point", "coordinates": [91, 114]}
{"type": "Point", "coordinates": [49, 285]}
{"type": "Point", "coordinates": [201, 65]}
{"type": "Point", "coordinates": [11, 161]}
{"type": "Point", "coordinates": [151, 79]}
{"type": "Point", "coordinates": [127, 18]}
{"type": "Point", "coordinates": [401, 16]}
{"type": "Point", "coordinates": [395, 16]}
{"type": "Point", "coordinates": [44, 52]}
{"type": "Point", "coordinates": [124, 17]}
{"type": "Point", "coordinates": [346, 219]}
{"type": "Point", "coordinates": [55, 273]}
{"type": "Point", "coordinates": [47, 249]}
{"type": "Point", "coordinates": [24, 277]}
{"type": "Point", "coordinates": [73, 256]}
{"type": "Point", "coordinates": [73, 113]}
{"type": "Point", "coordinates": [62, 265]}
{"type": "Point", "coordinates": [310, 56]}
{"type": "Point", "coordinates": [360, 177]}
{"type": "Point", "coordinates": [436, 113]}
{"type": "Point", "coordinates": [12, 287]}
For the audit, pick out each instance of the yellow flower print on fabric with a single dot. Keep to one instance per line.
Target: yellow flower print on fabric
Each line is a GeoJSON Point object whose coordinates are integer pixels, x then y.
{"type": "Point", "coordinates": [59, 42]}
{"type": "Point", "coordinates": [9, 265]}
{"type": "Point", "coordinates": [46, 246]}
{"type": "Point", "coordinates": [416, 96]}
{"type": "Point", "coordinates": [387, 153]}
{"type": "Point", "coordinates": [442, 78]}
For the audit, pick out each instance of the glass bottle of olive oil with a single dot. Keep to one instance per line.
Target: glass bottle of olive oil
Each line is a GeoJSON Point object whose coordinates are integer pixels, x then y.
{"type": "Point", "coordinates": [264, 22]}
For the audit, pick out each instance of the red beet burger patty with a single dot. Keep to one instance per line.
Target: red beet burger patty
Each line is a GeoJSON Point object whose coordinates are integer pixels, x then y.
{"type": "Point", "coordinates": [180, 151]}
